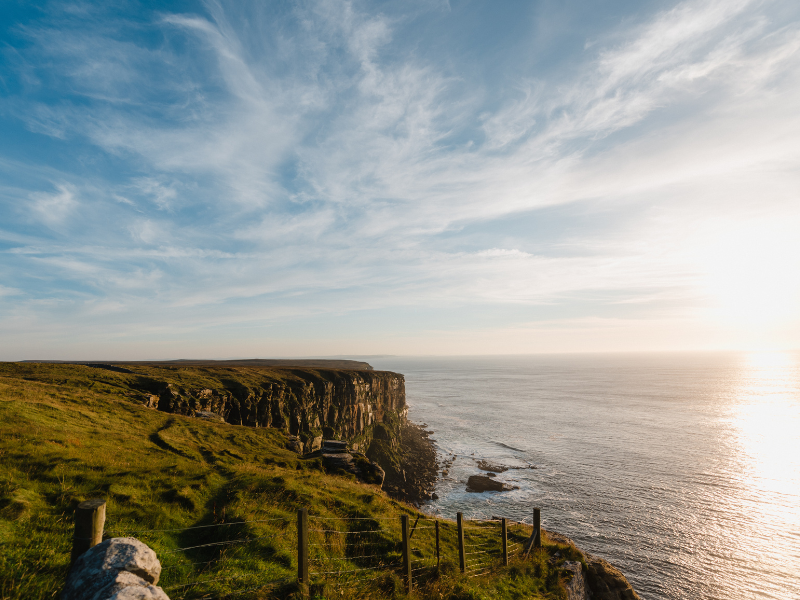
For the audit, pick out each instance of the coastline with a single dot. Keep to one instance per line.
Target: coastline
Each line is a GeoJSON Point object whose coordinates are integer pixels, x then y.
{"type": "Point", "coordinates": [415, 481]}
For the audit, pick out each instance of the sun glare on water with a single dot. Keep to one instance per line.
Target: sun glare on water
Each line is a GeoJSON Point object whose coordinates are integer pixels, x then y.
{"type": "Point", "coordinates": [767, 417]}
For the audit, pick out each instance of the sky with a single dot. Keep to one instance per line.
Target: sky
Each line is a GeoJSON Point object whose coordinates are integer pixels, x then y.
{"type": "Point", "coordinates": [265, 179]}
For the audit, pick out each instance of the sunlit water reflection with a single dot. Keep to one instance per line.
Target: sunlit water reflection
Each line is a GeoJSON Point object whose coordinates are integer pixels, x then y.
{"type": "Point", "coordinates": [683, 470]}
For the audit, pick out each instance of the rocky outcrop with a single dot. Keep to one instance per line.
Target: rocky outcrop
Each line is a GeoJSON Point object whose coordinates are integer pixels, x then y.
{"type": "Point", "coordinates": [116, 569]}
{"type": "Point", "coordinates": [603, 580]}
{"type": "Point", "coordinates": [407, 455]}
{"type": "Point", "coordinates": [607, 582]}
{"type": "Point", "coordinates": [308, 404]}
{"type": "Point", "coordinates": [576, 586]}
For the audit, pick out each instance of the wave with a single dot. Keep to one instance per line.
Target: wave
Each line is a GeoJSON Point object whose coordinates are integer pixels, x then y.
{"type": "Point", "coordinates": [509, 447]}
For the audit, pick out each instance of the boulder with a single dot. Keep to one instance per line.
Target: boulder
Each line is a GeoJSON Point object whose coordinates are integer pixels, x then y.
{"type": "Point", "coordinates": [339, 460]}
{"type": "Point", "coordinates": [119, 568]}
{"type": "Point", "coordinates": [209, 416]}
{"type": "Point", "coordinates": [316, 443]}
{"type": "Point", "coordinates": [357, 464]}
{"type": "Point", "coordinates": [333, 446]}
{"type": "Point", "coordinates": [482, 483]}
{"type": "Point", "coordinates": [295, 444]}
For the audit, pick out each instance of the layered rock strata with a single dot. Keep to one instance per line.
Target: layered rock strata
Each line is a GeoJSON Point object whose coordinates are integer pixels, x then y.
{"type": "Point", "coordinates": [308, 404]}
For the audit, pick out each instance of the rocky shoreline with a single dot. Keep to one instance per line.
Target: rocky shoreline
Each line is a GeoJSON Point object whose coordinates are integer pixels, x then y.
{"type": "Point", "coordinates": [415, 479]}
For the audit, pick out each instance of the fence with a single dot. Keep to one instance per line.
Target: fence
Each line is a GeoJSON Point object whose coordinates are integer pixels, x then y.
{"type": "Point", "coordinates": [227, 559]}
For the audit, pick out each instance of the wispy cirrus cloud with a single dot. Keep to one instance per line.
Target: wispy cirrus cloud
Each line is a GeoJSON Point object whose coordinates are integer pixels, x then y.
{"type": "Point", "coordinates": [323, 160]}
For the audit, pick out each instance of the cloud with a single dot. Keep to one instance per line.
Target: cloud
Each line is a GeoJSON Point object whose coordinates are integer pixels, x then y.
{"type": "Point", "coordinates": [263, 164]}
{"type": "Point", "coordinates": [54, 209]}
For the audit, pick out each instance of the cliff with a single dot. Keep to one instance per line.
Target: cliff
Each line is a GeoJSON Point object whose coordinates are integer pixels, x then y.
{"type": "Point", "coordinates": [307, 403]}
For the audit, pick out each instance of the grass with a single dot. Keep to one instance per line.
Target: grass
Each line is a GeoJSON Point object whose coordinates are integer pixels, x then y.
{"type": "Point", "coordinates": [70, 432]}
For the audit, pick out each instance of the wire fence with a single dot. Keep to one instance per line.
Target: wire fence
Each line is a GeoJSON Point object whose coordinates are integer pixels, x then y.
{"type": "Point", "coordinates": [274, 556]}
{"type": "Point", "coordinates": [222, 560]}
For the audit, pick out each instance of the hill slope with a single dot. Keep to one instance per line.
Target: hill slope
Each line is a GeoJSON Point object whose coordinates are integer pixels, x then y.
{"type": "Point", "coordinates": [72, 432]}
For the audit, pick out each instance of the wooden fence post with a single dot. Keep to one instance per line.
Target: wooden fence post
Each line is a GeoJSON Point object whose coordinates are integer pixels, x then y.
{"type": "Point", "coordinates": [89, 519]}
{"type": "Point", "coordinates": [302, 550]}
{"type": "Point", "coordinates": [406, 551]}
{"type": "Point", "coordinates": [504, 537]}
{"type": "Point", "coordinates": [461, 558]}
{"type": "Point", "coordinates": [437, 544]}
{"type": "Point", "coordinates": [537, 528]}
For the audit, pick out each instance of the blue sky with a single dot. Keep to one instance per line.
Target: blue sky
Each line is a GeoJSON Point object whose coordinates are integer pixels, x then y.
{"type": "Point", "coordinates": [236, 179]}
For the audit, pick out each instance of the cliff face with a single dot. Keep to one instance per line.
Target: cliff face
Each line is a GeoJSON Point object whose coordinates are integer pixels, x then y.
{"type": "Point", "coordinates": [304, 402]}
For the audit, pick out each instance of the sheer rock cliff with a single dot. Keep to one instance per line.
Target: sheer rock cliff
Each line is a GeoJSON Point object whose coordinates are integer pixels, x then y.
{"type": "Point", "coordinates": [307, 403]}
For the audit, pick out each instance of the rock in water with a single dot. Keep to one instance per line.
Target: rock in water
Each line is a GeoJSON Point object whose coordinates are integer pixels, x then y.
{"type": "Point", "coordinates": [116, 569]}
{"type": "Point", "coordinates": [487, 466]}
{"type": "Point", "coordinates": [482, 483]}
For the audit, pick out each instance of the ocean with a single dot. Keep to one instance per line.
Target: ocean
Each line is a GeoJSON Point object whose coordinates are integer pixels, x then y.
{"type": "Point", "coordinates": [683, 470]}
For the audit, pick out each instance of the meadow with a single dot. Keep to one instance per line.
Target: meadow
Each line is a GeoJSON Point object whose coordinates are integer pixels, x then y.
{"type": "Point", "coordinates": [217, 502]}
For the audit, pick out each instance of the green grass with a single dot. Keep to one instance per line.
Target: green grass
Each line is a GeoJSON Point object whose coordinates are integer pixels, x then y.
{"type": "Point", "coordinates": [69, 433]}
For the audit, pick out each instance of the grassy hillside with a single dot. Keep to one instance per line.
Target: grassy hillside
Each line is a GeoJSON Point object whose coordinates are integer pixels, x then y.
{"type": "Point", "coordinates": [71, 432]}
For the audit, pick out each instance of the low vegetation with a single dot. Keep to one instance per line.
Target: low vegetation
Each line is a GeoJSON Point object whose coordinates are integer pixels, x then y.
{"type": "Point", "coordinates": [70, 432]}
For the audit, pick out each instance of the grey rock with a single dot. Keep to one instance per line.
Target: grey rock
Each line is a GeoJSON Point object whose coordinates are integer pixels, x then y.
{"type": "Point", "coordinates": [209, 416]}
{"type": "Point", "coordinates": [316, 443]}
{"type": "Point", "coordinates": [340, 460]}
{"type": "Point", "coordinates": [128, 586]}
{"type": "Point", "coordinates": [607, 582]}
{"type": "Point", "coordinates": [482, 483]}
{"type": "Point", "coordinates": [487, 466]}
{"type": "Point", "coordinates": [576, 586]}
{"type": "Point", "coordinates": [333, 446]}
{"type": "Point", "coordinates": [109, 567]}
{"type": "Point", "coordinates": [603, 580]}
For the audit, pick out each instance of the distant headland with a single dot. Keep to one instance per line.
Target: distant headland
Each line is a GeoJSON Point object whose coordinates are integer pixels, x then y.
{"type": "Point", "coordinates": [305, 363]}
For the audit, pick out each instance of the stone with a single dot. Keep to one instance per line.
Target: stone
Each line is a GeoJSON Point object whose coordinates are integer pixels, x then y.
{"type": "Point", "coordinates": [606, 582]}
{"type": "Point", "coordinates": [357, 464]}
{"type": "Point", "coordinates": [339, 460]}
{"type": "Point", "coordinates": [333, 446]}
{"type": "Point", "coordinates": [128, 586]}
{"type": "Point", "coordinates": [576, 586]}
{"type": "Point", "coordinates": [486, 466]}
{"type": "Point", "coordinates": [603, 580]}
{"type": "Point", "coordinates": [316, 443]}
{"type": "Point", "coordinates": [209, 416]}
{"type": "Point", "coordinates": [104, 571]}
{"type": "Point", "coordinates": [482, 483]}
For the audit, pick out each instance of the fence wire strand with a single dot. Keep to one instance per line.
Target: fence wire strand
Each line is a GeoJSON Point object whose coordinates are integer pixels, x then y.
{"type": "Point", "coordinates": [481, 550]}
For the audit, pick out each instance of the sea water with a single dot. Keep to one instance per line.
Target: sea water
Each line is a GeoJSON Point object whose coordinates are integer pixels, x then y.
{"type": "Point", "coordinates": [681, 470]}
